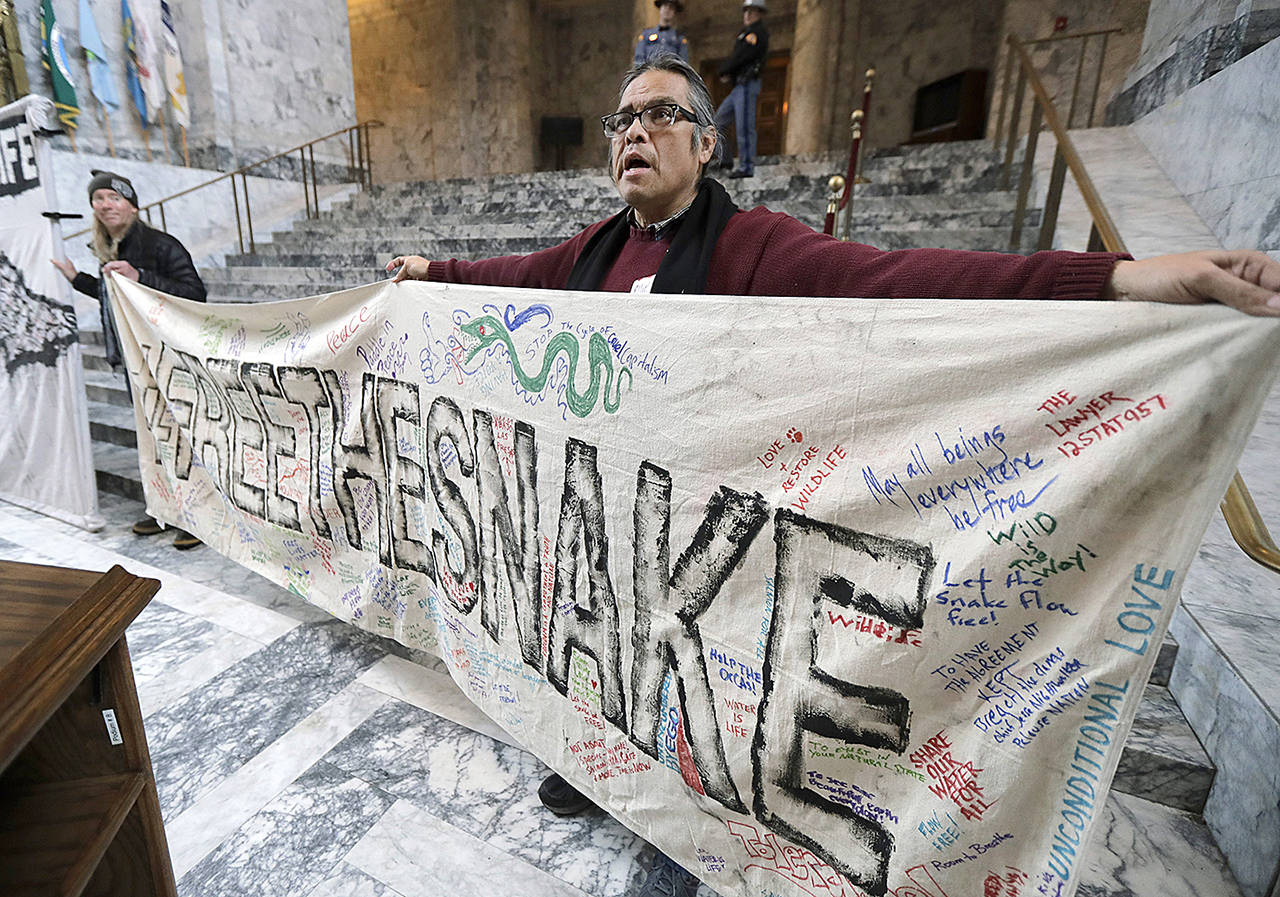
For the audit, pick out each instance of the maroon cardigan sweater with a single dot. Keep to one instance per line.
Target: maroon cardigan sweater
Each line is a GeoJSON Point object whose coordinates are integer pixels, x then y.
{"type": "Point", "coordinates": [764, 253]}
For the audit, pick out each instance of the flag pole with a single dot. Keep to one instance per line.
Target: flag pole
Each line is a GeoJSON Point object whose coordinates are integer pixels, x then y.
{"type": "Point", "coordinates": [186, 156]}
{"type": "Point", "coordinates": [106, 127]}
{"type": "Point", "coordinates": [146, 140]}
{"type": "Point", "coordinates": [71, 135]}
{"type": "Point", "coordinates": [164, 138]}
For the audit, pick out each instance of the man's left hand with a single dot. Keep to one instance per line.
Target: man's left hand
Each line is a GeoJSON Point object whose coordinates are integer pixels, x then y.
{"type": "Point", "coordinates": [1243, 279]}
{"type": "Point", "coordinates": [123, 268]}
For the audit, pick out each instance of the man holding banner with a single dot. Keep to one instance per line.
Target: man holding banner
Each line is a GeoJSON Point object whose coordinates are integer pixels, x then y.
{"type": "Point", "coordinates": [680, 233]}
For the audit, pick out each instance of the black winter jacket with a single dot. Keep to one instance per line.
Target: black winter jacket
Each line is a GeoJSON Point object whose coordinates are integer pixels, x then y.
{"type": "Point", "coordinates": [163, 264]}
{"type": "Point", "coordinates": [749, 51]}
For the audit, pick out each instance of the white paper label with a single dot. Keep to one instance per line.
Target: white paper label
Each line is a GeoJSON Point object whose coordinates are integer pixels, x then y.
{"type": "Point", "coordinates": [113, 728]}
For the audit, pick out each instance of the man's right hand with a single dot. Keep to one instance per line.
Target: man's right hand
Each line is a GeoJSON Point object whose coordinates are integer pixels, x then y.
{"type": "Point", "coordinates": [412, 267]}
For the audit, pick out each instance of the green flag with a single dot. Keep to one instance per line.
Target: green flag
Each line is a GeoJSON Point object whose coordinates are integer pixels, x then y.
{"type": "Point", "coordinates": [55, 60]}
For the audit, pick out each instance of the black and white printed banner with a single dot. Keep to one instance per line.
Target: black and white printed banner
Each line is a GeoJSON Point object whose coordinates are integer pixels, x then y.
{"type": "Point", "coordinates": [825, 597]}
{"type": "Point", "coordinates": [45, 460]}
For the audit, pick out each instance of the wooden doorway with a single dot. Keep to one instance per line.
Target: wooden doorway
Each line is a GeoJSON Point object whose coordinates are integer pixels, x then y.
{"type": "Point", "coordinates": [771, 111]}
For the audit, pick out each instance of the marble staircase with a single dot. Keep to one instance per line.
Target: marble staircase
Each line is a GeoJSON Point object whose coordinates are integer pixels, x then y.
{"type": "Point", "coordinates": [943, 195]}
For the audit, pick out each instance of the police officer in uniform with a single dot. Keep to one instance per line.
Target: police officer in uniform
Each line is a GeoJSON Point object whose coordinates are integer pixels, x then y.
{"type": "Point", "coordinates": [743, 69]}
{"type": "Point", "coordinates": [663, 37]}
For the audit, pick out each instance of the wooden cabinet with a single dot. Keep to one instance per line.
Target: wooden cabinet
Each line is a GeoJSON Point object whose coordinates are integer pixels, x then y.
{"type": "Point", "coordinates": [79, 812]}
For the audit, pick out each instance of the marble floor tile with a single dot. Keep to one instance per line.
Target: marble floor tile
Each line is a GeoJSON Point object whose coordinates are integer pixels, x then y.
{"type": "Point", "coordinates": [12, 551]}
{"type": "Point", "coordinates": [346, 880]}
{"type": "Point", "coordinates": [177, 590]}
{"type": "Point", "coordinates": [215, 816]}
{"type": "Point", "coordinates": [190, 671]}
{"type": "Point", "coordinates": [489, 790]}
{"type": "Point", "coordinates": [294, 842]}
{"type": "Point", "coordinates": [1132, 842]}
{"type": "Point", "coordinates": [200, 565]}
{"type": "Point", "coordinates": [162, 636]}
{"type": "Point", "coordinates": [431, 690]}
{"type": "Point", "coordinates": [421, 855]}
{"type": "Point", "coordinates": [204, 736]}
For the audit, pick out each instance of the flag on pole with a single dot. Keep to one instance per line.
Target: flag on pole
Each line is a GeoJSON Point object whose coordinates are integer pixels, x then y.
{"type": "Point", "coordinates": [132, 66]}
{"type": "Point", "coordinates": [54, 58]}
{"type": "Point", "coordinates": [147, 36]}
{"type": "Point", "coordinates": [173, 75]}
{"type": "Point", "coordinates": [96, 55]}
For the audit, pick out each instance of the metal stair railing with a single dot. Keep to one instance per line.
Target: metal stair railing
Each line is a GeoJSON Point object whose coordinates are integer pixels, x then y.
{"type": "Point", "coordinates": [1238, 508]}
{"type": "Point", "coordinates": [359, 162]}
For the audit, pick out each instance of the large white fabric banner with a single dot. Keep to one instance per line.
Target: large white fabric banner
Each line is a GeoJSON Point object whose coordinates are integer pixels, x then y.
{"type": "Point", "coordinates": [45, 460]}
{"type": "Point", "coordinates": [826, 597]}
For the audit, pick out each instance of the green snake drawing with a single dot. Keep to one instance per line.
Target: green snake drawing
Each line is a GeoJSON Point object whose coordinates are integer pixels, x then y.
{"type": "Point", "coordinates": [488, 330]}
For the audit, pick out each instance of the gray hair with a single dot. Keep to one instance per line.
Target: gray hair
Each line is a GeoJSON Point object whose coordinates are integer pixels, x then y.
{"type": "Point", "coordinates": [699, 97]}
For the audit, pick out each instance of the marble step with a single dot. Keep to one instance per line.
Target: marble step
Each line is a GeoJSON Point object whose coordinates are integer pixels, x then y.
{"type": "Point", "coordinates": [596, 197]}
{"type": "Point", "coordinates": [980, 239]}
{"type": "Point", "coordinates": [369, 246]}
{"type": "Point", "coordinates": [359, 234]}
{"type": "Point", "coordinates": [116, 468]}
{"type": "Point", "coordinates": [533, 211]}
{"type": "Point", "coordinates": [113, 424]}
{"type": "Point", "coordinates": [535, 192]}
{"type": "Point", "coordinates": [1163, 760]}
{"type": "Point", "coordinates": [344, 255]}
{"type": "Point", "coordinates": [1165, 659]}
{"type": "Point", "coordinates": [106, 387]}
{"type": "Point", "coordinates": [401, 224]}
{"type": "Point", "coordinates": [1143, 849]}
{"type": "Point", "coordinates": [93, 356]}
{"type": "Point", "coordinates": [807, 165]}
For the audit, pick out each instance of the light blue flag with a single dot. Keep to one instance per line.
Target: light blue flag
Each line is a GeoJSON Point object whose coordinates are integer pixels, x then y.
{"type": "Point", "coordinates": [131, 62]}
{"type": "Point", "coordinates": [96, 55]}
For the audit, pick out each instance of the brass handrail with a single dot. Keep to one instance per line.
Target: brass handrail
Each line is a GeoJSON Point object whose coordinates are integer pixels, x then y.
{"type": "Point", "coordinates": [1243, 520]}
{"type": "Point", "coordinates": [1083, 37]}
{"type": "Point", "coordinates": [359, 159]}
{"type": "Point", "coordinates": [1247, 526]}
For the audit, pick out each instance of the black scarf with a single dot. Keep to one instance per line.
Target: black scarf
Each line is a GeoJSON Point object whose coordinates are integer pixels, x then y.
{"type": "Point", "coordinates": [685, 266]}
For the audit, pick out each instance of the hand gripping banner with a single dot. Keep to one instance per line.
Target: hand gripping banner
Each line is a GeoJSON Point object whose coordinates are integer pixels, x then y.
{"type": "Point", "coordinates": [825, 597]}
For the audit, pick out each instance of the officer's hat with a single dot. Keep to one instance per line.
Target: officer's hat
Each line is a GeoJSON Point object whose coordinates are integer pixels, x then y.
{"type": "Point", "coordinates": [754, 4]}
{"type": "Point", "coordinates": [679, 5]}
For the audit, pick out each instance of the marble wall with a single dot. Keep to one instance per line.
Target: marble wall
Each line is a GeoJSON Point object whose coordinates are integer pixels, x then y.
{"type": "Point", "coordinates": [1233, 184]}
{"type": "Point", "coordinates": [1187, 41]}
{"type": "Point", "coordinates": [1057, 61]}
{"type": "Point", "coordinates": [585, 51]}
{"type": "Point", "coordinates": [912, 43]}
{"type": "Point", "coordinates": [462, 87]}
{"type": "Point", "coordinates": [260, 77]}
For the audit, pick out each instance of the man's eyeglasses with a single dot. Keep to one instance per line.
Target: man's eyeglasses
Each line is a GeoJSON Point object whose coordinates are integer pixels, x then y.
{"type": "Point", "coordinates": [654, 118]}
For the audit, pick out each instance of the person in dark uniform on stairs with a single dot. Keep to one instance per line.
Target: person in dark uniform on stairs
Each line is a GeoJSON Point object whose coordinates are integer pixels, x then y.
{"type": "Point", "coordinates": [663, 37]}
{"type": "Point", "coordinates": [126, 246]}
{"type": "Point", "coordinates": [743, 68]}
